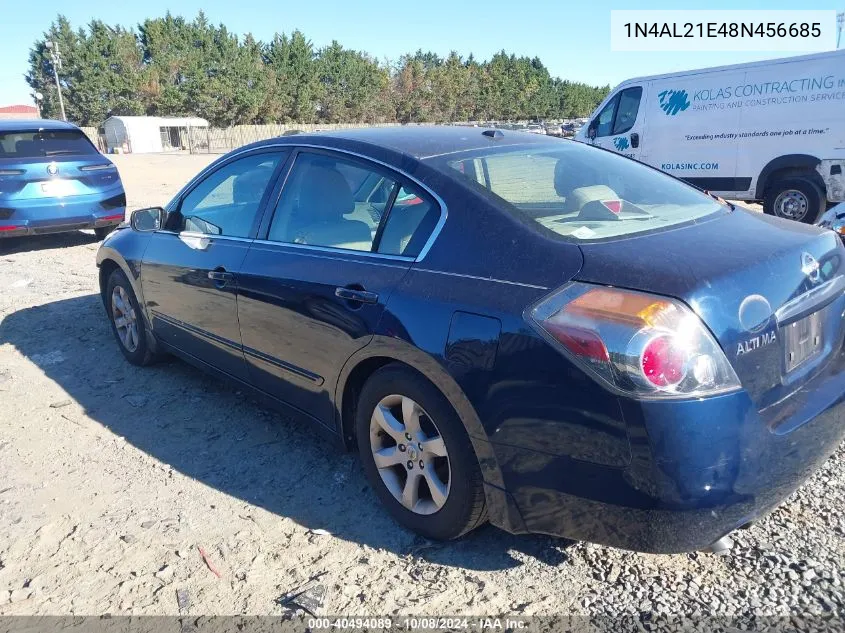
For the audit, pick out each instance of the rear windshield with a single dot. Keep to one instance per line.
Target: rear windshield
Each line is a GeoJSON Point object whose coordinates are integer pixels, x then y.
{"type": "Point", "coordinates": [34, 144]}
{"type": "Point", "coordinates": [581, 193]}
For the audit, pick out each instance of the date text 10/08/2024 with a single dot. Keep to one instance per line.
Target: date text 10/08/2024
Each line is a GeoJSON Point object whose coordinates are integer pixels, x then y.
{"type": "Point", "coordinates": [417, 624]}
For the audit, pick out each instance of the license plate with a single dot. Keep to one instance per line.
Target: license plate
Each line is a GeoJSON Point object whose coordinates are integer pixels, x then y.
{"type": "Point", "coordinates": [57, 188]}
{"type": "Point", "coordinates": [803, 340]}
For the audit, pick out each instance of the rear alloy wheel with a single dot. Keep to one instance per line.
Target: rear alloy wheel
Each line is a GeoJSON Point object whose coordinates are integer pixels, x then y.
{"type": "Point", "coordinates": [798, 199]}
{"type": "Point", "coordinates": [417, 455]}
{"type": "Point", "coordinates": [126, 320]}
{"type": "Point", "coordinates": [412, 461]}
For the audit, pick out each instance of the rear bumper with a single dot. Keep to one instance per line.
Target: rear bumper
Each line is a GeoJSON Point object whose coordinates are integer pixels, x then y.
{"type": "Point", "coordinates": [698, 469]}
{"type": "Point", "coordinates": [57, 215]}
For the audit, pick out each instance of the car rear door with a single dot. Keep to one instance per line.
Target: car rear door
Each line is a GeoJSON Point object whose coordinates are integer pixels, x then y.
{"type": "Point", "coordinates": [189, 273]}
{"type": "Point", "coordinates": [342, 235]}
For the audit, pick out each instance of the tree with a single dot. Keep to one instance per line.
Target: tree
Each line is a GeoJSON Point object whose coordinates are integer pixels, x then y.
{"type": "Point", "coordinates": [172, 66]}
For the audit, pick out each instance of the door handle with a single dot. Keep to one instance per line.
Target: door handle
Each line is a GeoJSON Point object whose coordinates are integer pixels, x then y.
{"type": "Point", "coordinates": [220, 277]}
{"type": "Point", "coordinates": [635, 140]}
{"type": "Point", "coordinates": [354, 294]}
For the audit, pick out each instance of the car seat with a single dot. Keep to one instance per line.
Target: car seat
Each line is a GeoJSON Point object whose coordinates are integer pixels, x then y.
{"type": "Point", "coordinates": [318, 219]}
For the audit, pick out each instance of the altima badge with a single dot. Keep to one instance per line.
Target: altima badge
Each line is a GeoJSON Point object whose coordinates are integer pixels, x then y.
{"type": "Point", "coordinates": [766, 338]}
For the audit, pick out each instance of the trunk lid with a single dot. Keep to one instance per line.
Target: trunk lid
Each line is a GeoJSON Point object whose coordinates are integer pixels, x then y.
{"type": "Point", "coordinates": [54, 177]}
{"type": "Point", "coordinates": [770, 290]}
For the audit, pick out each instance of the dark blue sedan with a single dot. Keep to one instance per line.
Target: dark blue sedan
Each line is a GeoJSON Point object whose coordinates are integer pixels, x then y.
{"type": "Point", "coordinates": [507, 327]}
{"type": "Point", "coordinates": [53, 179]}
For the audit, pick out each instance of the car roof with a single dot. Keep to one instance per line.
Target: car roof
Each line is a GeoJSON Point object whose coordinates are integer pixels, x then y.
{"type": "Point", "coordinates": [21, 125]}
{"type": "Point", "coordinates": [426, 141]}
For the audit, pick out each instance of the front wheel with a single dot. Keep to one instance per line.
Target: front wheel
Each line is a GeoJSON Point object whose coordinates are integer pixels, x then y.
{"type": "Point", "coordinates": [126, 320]}
{"type": "Point", "coordinates": [797, 198]}
{"type": "Point", "coordinates": [417, 455]}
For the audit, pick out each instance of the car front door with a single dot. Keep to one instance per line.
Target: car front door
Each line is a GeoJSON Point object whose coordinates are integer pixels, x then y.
{"type": "Point", "coordinates": [343, 234]}
{"type": "Point", "coordinates": [619, 125]}
{"type": "Point", "coordinates": [189, 270]}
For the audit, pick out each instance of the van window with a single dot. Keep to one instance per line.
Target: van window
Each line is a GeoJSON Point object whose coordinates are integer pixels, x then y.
{"type": "Point", "coordinates": [605, 119]}
{"type": "Point", "coordinates": [578, 192]}
{"type": "Point", "coordinates": [626, 113]}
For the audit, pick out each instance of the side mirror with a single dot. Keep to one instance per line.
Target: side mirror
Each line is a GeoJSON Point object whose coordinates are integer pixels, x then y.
{"type": "Point", "coordinates": [146, 220]}
{"type": "Point", "coordinates": [591, 131]}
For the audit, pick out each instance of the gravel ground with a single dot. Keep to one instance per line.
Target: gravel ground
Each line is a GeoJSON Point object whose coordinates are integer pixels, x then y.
{"type": "Point", "coordinates": [113, 477]}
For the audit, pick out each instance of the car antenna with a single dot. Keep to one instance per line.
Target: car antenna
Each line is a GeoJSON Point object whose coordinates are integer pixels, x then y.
{"type": "Point", "coordinates": [493, 133]}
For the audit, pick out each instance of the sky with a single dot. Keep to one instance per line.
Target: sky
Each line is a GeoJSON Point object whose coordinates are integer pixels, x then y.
{"type": "Point", "coordinates": [571, 38]}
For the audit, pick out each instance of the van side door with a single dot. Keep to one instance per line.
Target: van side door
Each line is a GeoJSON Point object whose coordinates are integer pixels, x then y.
{"type": "Point", "coordinates": [693, 129]}
{"type": "Point", "coordinates": [620, 124]}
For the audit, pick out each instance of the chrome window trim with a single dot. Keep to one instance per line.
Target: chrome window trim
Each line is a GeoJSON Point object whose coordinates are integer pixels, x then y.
{"type": "Point", "coordinates": [478, 278]}
{"type": "Point", "coordinates": [444, 210]}
{"type": "Point", "coordinates": [334, 249]}
{"type": "Point", "coordinates": [230, 238]}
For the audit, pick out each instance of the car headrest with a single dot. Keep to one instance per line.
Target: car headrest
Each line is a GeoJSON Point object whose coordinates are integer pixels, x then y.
{"type": "Point", "coordinates": [25, 148]}
{"type": "Point", "coordinates": [583, 195]}
{"type": "Point", "coordinates": [325, 194]}
{"type": "Point", "coordinates": [249, 186]}
{"type": "Point", "coordinates": [569, 177]}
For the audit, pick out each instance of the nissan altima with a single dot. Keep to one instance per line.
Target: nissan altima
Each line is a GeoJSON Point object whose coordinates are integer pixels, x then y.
{"type": "Point", "coordinates": [507, 327]}
{"type": "Point", "coordinates": [53, 179]}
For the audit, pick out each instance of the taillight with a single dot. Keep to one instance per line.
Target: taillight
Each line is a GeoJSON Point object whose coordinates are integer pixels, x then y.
{"type": "Point", "coordinates": [637, 343]}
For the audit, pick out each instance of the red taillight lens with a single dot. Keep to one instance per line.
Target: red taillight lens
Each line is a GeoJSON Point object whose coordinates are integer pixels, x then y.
{"type": "Point", "coordinates": [662, 363]}
{"type": "Point", "coordinates": [637, 343]}
{"type": "Point", "coordinates": [10, 228]}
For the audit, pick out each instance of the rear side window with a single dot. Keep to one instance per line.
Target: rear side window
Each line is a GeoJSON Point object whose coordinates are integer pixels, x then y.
{"type": "Point", "coordinates": [331, 202]}
{"type": "Point", "coordinates": [409, 224]}
{"type": "Point", "coordinates": [579, 192]}
{"type": "Point", "coordinates": [39, 144]}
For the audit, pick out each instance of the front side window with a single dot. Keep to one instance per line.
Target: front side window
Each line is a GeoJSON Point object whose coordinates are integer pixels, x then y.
{"type": "Point", "coordinates": [227, 201]}
{"type": "Point", "coordinates": [36, 144]}
{"type": "Point", "coordinates": [626, 113]}
{"type": "Point", "coordinates": [330, 201]}
{"type": "Point", "coordinates": [605, 118]}
{"type": "Point", "coordinates": [579, 192]}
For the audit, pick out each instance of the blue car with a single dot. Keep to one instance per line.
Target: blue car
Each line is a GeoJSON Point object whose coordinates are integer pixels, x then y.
{"type": "Point", "coordinates": [53, 179]}
{"type": "Point", "coordinates": [507, 327]}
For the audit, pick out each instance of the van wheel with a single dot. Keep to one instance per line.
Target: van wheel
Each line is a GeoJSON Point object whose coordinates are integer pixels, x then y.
{"type": "Point", "coordinates": [417, 455]}
{"type": "Point", "coordinates": [798, 199]}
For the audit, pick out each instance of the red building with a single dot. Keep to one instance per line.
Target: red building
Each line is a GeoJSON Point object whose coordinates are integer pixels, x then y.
{"type": "Point", "coordinates": [19, 112]}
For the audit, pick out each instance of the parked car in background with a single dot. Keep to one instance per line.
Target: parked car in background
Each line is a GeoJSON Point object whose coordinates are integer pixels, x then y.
{"type": "Point", "coordinates": [770, 131]}
{"type": "Point", "coordinates": [583, 362]}
{"type": "Point", "coordinates": [834, 219]}
{"type": "Point", "coordinates": [569, 129]}
{"type": "Point", "coordinates": [536, 128]}
{"type": "Point", "coordinates": [53, 179]}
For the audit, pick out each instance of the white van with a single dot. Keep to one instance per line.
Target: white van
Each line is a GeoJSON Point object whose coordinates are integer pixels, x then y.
{"type": "Point", "coordinates": [770, 131]}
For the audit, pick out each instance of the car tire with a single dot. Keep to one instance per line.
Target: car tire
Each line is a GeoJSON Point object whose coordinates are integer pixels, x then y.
{"type": "Point", "coordinates": [797, 198]}
{"type": "Point", "coordinates": [103, 231]}
{"type": "Point", "coordinates": [452, 464]}
{"type": "Point", "coordinates": [124, 312]}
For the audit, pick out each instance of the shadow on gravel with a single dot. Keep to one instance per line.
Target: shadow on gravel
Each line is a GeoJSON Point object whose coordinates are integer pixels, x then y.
{"type": "Point", "coordinates": [219, 436]}
{"type": "Point", "coordinates": [11, 245]}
